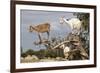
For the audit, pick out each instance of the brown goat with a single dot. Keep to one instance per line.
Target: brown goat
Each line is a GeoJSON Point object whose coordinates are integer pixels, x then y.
{"type": "Point", "coordinates": [41, 28]}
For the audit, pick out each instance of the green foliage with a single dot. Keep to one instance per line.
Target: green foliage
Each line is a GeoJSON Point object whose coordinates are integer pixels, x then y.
{"type": "Point", "coordinates": [50, 53]}
{"type": "Point", "coordinates": [30, 52]}
{"type": "Point", "coordinates": [23, 55]}
{"type": "Point", "coordinates": [43, 53]}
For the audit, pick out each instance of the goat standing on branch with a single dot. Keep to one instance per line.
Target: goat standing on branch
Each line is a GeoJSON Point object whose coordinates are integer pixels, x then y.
{"type": "Point", "coordinates": [41, 28]}
{"type": "Point", "coordinates": [74, 23]}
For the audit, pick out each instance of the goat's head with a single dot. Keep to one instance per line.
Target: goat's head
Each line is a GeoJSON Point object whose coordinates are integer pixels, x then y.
{"type": "Point", "coordinates": [31, 28]}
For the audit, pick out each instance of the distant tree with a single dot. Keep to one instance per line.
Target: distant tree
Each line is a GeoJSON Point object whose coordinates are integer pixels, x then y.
{"type": "Point", "coordinates": [50, 53]}
{"type": "Point", "coordinates": [40, 53]}
{"type": "Point", "coordinates": [23, 55]}
{"type": "Point", "coordinates": [30, 52]}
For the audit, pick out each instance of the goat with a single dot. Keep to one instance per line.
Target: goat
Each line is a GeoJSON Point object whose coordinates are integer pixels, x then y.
{"type": "Point", "coordinates": [74, 23]}
{"type": "Point", "coordinates": [41, 28]}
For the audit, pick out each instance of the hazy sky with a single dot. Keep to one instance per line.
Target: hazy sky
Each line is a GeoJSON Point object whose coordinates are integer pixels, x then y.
{"type": "Point", "coordinates": [31, 17]}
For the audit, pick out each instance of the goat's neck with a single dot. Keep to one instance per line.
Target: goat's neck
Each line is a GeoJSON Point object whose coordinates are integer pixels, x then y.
{"type": "Point", "coordinates": [67, 22]}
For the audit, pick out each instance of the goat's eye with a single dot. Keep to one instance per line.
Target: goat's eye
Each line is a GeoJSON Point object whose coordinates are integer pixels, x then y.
{"type": "Point", "coordinates": [67, 19]}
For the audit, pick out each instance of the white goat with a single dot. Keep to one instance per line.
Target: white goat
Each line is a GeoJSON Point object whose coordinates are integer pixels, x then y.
{"type": "Point", "coordinates": [74, 23]}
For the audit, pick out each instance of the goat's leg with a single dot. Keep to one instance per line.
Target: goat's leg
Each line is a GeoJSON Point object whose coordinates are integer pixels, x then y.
{"type": "Point", "coordinates": [39, 37]}
{"type": "Point", "coordinates": [48, 34]}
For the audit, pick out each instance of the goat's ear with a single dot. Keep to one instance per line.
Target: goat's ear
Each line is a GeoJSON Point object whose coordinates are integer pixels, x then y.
{"type": "Point", "coordinates": [30, 28]}
{"type": "Point", "coordinates": [61, 20]}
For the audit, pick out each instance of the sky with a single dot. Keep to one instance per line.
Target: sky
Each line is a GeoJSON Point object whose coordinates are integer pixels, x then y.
{"type": "Point", "coordinates": [33, 17]}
